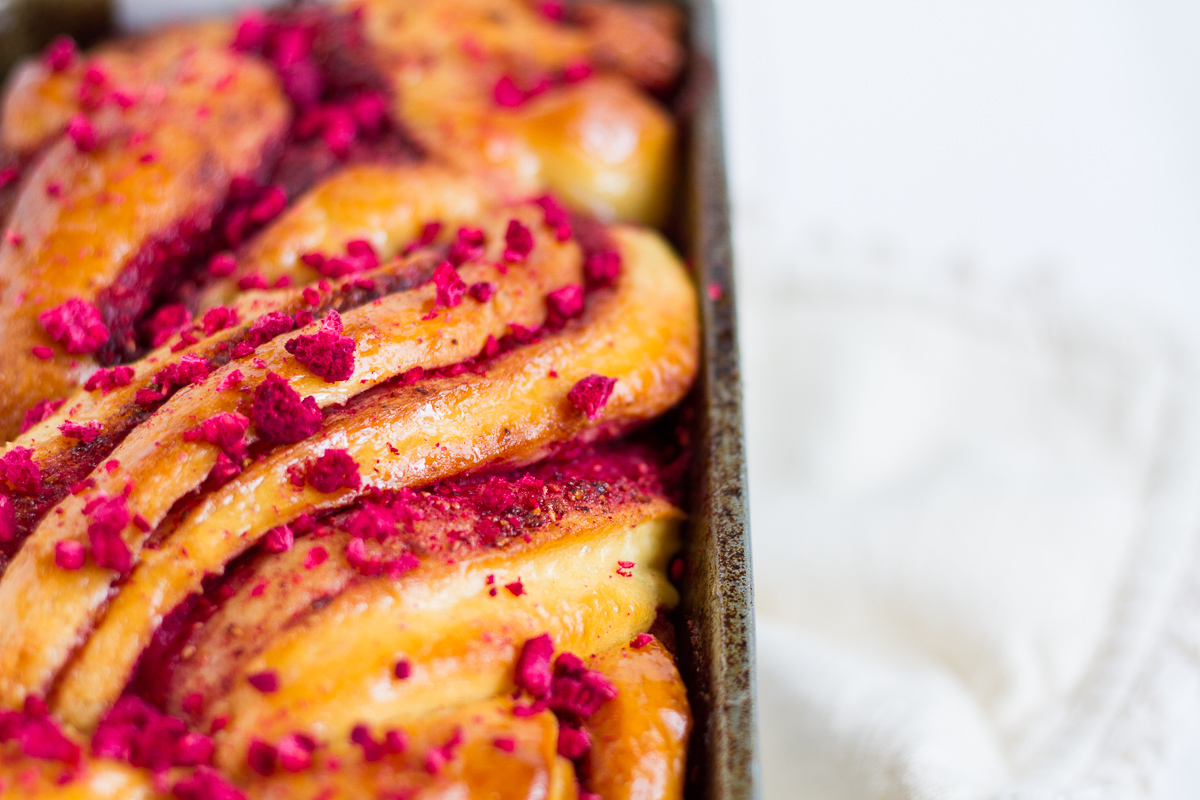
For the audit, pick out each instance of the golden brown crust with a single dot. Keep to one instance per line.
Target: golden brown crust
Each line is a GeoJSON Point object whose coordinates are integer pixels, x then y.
{"type": "Point", "coordinates": [111, 203]}
{"type": "Point", "coordinates": [213, 620]}
{"type": "Point", "coordinates": [639, 739]}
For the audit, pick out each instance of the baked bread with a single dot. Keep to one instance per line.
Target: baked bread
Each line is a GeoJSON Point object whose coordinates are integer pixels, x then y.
{"type": "Point", "coordinates": [338, 344]}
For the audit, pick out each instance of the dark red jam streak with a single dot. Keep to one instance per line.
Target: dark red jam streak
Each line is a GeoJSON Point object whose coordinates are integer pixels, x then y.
{"type": "Point", "coordinates": [340, 116]}
{"type": "Point", "coordinates": [455, 516]}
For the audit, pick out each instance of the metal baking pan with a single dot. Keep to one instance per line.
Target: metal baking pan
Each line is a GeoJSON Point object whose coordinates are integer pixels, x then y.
{"type": "Point", "coordinates": [716, 630]}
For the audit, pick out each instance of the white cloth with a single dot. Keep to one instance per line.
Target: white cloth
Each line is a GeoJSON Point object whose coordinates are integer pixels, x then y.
{"type": "Point", "coordinates": [968, 239]}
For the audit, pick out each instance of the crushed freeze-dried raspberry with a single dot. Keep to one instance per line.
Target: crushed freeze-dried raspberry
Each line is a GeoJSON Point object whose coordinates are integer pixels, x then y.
{"type": "Point", "coordinates": [334, 470]}
{"type": "Point", "coordinates": [295, 751]}
{"type": "Point", "coordinates": [372, 750]}
{"type": "Point", "coordinates": [107, 379]}
{"type": "Point", "coordinates": [641, 640]}
{"type": "Point", "coordinates": [263, 330]}
{"type": "Point", "coordinates": [37, 734]}
{"type": "Point", "coordinates": [190, 369]}
{"type": "Point", "coordinates": [372, 521]}
{"type": "Point", "coordinates": [327, 354]}
{"type": "Point", "coordinates": [19, 472]}
{"type": "Point", "coordinates": [573, 743]}
{"type": "Point", "coordinates": [591, 394]}
{"type": "Point", "coordinates": [69, 554]}
{"type": "Point", "coordinates": [225, 470]}
{"type": "Point", "coordinates": [60, 54]}
{"type": "Point", "coordinates": [109, 517]}
{"type": "Point", "coordinates": [556, 216]}
{"type": "Point", "coordinates": [576, 71]}
{"type": "Point", "coordinates": [450, 286]}
{"type": "Point", "coordinates": [518, 242]}
{"type": "Point", "coordinates": [266, 682]}
{"type": "Point", "coordinates": [402, 669]}
{"type": "Point", "coordinates": [41, 410]}
{"type": "Point", "coordinates": [714, 291]}
{"type": "Point", "coordinates": [468, 246]}
{"type": "Point", "coordinates": [84, 433]}
{"type": "Point", "coordinates": [218, 318]}
{"type": "Point", "coordinates": [279, 539]}
{"type": "Point", "coordinates": [533, 665]}
{"type": "Point", "coordinates": [206, 784]}
{"type": "Point", "coordinates": [280, 415]}
{"type": "Point", "coordinates": [564, 304]}
{"type": "Point", "coordinates": [166, 322]}
{"type": "Point", "coordinates": [230, 380]}
{"type": "Point", "coordinates": [42, 353]}
{"type": "Point", "coordinates": [253, 280]}
{"type": "Point", "coordinates": [316, 557]}
{"type": "Point", "coordinates": [137, 733]}
{"type": "Point", "coordinates": [82, 133]}
{"type": "Point", "coordinates": [395, 742]}
{"type": "Point", "coordinates": [436, 758]}
{"type": "Point", "coordinates": [602, 269]}
{"type": "Point", "coordinates": [429, 233]}
{"type": "Point", "coordinates": [226, 430]}
{"type": "Point", "coordinates": [222, 265]}
{"type": "Point", "coordinates": [505, 743]}
{"type": "Point", "coordinates": [507, 94]}
{"type": "Point", "coordinates": [482, 291]}
{"type": "Point", "coordinates": [76, 325]}
{"type": "Point", "coordinates": [569, 665]}
{"type": "Point", "coordinates": [581, 696]}
{"type": "Point", "coordinates": [516, 588]}
{"type": "Point", "coordinates": [261, 757]}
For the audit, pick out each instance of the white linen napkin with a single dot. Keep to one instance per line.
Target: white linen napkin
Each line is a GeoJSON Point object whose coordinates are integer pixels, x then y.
{"type": "Point", "coordinates": [972, 546]}
{"type": "Point", "coordinates": [968, 250]}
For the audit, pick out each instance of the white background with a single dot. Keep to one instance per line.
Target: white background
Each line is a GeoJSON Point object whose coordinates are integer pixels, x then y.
{"type": "Point", "coordinates": [1039, 153]}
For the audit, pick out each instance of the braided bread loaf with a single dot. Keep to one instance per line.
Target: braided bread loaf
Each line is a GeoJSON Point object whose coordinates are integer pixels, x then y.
{"type": "Point", "coordinates": [334, 350]}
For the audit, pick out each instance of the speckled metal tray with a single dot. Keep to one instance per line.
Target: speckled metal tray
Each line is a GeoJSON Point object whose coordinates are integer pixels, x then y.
{"type": "Point", "coordinates": [716, 636]}
{"type": "Point", "coordinates": [716, 650]}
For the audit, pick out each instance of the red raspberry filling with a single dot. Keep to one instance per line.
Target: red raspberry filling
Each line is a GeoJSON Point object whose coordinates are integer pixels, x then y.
{"type": "Point", "coordinates": [8, 520]}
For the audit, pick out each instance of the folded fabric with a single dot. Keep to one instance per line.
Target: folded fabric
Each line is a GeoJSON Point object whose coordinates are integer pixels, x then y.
{"type": "Point", "coordinates": [973, 532]}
